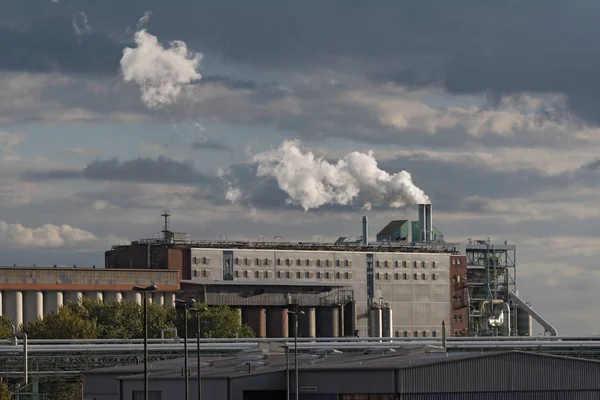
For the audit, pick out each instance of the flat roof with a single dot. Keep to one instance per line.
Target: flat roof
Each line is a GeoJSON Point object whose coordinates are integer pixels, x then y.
{"type": "Point", "coordinates": [261, 283]}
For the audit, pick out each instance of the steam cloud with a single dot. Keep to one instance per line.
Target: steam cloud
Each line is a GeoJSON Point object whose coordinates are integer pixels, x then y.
{"type": "Point", "coordinates": [312, 181]}
{"type": "Point", "coordinates": [162, 73]}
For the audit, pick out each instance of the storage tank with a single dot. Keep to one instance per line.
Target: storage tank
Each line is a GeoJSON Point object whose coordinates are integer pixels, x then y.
{"type": "Point", "coordinates": [524, 323]}
{"type": "Point", "coordinates": [256, 319]}
{"type": "Point", "coordinates": [94, 295]}
{"type": "Point", "coordinates": [375, 322]}
{"type": "Point", "coordinates": [277, 322]}
{"type": "Point", "coordinates": [387, 323]}
{"type": "Point", "coordinates": [112, 296]}
{"type": "Point", "coordinates": [34, 305]}
{"type": "Point", "coordinates": [53, 301]}
{"type": "Point", "coordinates": [327, 322]}
{"type": "Point", "coordinates": [307, 324]}
{"type": "Point", "coordinates": [13, 306]}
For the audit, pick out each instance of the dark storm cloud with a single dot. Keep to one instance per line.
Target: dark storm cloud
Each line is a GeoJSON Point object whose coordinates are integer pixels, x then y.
{"type": "Point", "coordinates": [142, 170]}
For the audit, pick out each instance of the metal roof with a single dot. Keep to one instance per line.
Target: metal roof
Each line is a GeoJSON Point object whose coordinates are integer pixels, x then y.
{"type": "Point", "coordinates": [392, 227]}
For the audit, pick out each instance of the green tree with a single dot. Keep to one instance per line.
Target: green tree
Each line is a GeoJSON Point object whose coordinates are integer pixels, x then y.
{"type": "Point", "coordinates": [69, 322]}
{"type": "Point", "coordinates": [5, 393]}
{"type": "Point", "coordinates": [215, 322]}
{"type": "Point", "coordinates": [6, 330]}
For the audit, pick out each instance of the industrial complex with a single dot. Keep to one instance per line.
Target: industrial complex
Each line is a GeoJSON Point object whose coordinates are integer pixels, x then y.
{"type": "Point", "coordinates": [406, 283]}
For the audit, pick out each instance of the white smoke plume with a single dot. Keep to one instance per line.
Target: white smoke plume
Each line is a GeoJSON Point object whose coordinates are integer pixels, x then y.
{"type": "Point", "coordinates": [143, 21]}
{"type": "Point", "coordinates": [80, 24]}
{"type": "Point", "coordinates": [162, 73]}
{"type": "Point", "coordinates": [312, 182]}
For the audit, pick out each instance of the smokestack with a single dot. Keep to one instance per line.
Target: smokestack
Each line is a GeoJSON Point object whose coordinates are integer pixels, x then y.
{"type": "Point", "coordinates": [365, 231]}
{"type": "Point", "coordinates": [425, 223]}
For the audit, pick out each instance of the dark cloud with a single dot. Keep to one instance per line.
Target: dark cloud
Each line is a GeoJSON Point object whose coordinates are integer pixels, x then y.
{"type": "Point", "coordinates": [210, 144]}
{"type": "Point", "coordinates": [142, 170]}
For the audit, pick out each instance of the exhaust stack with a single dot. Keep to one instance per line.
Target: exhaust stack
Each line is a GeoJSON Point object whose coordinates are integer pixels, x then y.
{"type": "Point", "coordinates": [365, 231]}
{"type": "Point", "coordinates": [425, 223]}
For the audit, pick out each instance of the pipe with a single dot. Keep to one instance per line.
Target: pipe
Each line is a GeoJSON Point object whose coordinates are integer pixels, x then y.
{"type": "Point", "coordinates": [547, 326]}
{"type": "Point", "coordinates": [23, 336]}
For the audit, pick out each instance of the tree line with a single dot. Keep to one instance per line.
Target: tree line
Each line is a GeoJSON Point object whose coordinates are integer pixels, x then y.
{"type": "Point", "coordinates": [93, 319]}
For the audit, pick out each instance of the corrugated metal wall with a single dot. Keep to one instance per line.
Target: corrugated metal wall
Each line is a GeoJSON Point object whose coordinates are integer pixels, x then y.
{"type": "Point", "coordinates": [513, 371]}
{"type": "Point", "coordinates": [555, 395]}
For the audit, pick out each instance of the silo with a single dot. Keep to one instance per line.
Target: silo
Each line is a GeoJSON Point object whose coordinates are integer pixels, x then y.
{"type": "Point", "coordinates": [1, 312]}
{"type": "Point", "coordinates": [170, 300]}
{"type": "Point", "coordinates": [94, 295]}
{"type": "Point", "coordinates": [133, 296]}
{"type": "Point", "coordinates": [524, 323]}
{"type": "Point", "coordinates": [277, 322]}
{"type": "Point", "coordinates": [307, 326]}
{"type": "Point", "coordinates": [387, 323]}
{"type": "Point", "coordinates": [327, 322]}
{"type": "Point", "coordinates": [13, 306]}
{"type": "Point", "coordinates": [74, 296]}
{"type": "Point", "coordinates": [375, 322]}
{"type": "Point", "coordinates": [112, 296]}
{"type": "Point", "coordinates": [53, 301]}
{"type": "Point", "coordinates": [159, 298]}
{"type": "Point", "coordinates": [256, 319]}
{"type": "Point", "coordinates": [34, 305]}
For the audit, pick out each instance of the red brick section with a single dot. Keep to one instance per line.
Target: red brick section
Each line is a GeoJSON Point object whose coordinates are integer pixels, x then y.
{"type": "Point", "coordinates": [86, 279]}
{"type": "Point", "coordinates": [459, 300]}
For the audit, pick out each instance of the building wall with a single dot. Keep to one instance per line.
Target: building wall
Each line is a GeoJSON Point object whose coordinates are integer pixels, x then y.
{"type": "Point", "coordinates": [414, 284]}
{"type": "Point", "coordinates": [459, 323]}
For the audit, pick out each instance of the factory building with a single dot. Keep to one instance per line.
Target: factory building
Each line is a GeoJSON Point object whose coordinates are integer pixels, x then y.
{"type": "Point", "coordinates": [409, 374]}
{"type": "Point", "coordinates": [27, 293]}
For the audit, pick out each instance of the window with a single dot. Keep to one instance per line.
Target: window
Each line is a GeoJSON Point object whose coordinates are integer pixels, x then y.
{"type": "Point", "coordinates": [299, 275]}
{"type": "Point", "coordinates": [206, 273]}
{"type": "Point", "coordinates": [396, 276]}
{"type": "Point", "coordinates": [458, 261]}
{"type": "Point", "coordinates": [460, 318]}
{"type": "Point", "coordinates": [237, 261]}
{"type": "Point", "coordinates": [405, 276]}
{"type": "Point", "coordinates": [319, 263]}
{"type": "Point", "coordinates": [425, 333]}
{"type": "Point", "coordinates": [424, 276]}
{"type": "Point", "coordinates": [377, 264]}
{"type": "Point", "coordinates": [338, 275]}
{"type": "Point", "coordinates": [247, 261]}
{"type": "Point", "coordinates": [348, 263]}
{"type": "Point", "coordinates": [348, 275]}
{"type": "Point", "coordinates": [434, 264]}
{"type": "Point", "coordinates": [328, 263]}
{"type": "Point", "coordinates": [238, 274]}
{"type": "Point", "coordinates": [454, 261]}
{"type": "Point", "coordinates": [195, 272]}
{"type": "Point", "coordinates": [423, 264]}
{"type": "Point", "coordinates": [415, 264]}
{"type": "Point", "coordinates": [288, 262]}
{"type": "Point", "coordinates": [280, 274]}
{"type": "Point", "coordinates": [258, 261]}
{"type": "Point", "coordinates": [309, 263]}
{"type": "Point", "coordinates": [338, 263]}
{"type": "Point", "coordinates": [300, 263]}
{"type": "Point", "coordinates": [247, 274]}
{"type": "Point", "coordinates": [257, 274]}
{"type": "Point", "coordinates": [433, 333]}
{"type": "Point", "coordinates": [404, 264]}
{"type": "Point", "coordinates": [279, 262]}
{"type": "Point", "coordinates": [329, 275]}
{"type": "Point", "coordinates": [416, 277]}
{"type": "Point", "coordinates": [290, 274]}
{"type": "Point", "coordinates": [267, 261]}
{"type": "Point", "coordinates": [433, 277]}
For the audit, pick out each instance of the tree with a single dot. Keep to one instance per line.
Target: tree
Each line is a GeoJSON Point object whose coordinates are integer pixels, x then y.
{"type": "Point", "coordinates": [5, 393]}
{"type": "Point", "coordinates": [6, 329]}
{"type": "Point", "coordinates": [69, 322]}
{"type": "Point", "coordinates": [215, 322]}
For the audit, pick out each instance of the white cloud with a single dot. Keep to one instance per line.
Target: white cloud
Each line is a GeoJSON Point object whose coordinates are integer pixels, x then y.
{"type": "Point", "coordinates": [53, 236]}
{"type": "Point", "coordinates": [162, 73]}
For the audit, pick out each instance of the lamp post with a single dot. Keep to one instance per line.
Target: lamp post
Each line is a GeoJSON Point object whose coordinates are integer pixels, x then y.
{"type": "Point", "coordinates": [198, 309]}
{"type": "Point", "coordinates": [185, 305]}
{"type": "Point", "coordinates": [145, 290]}
{"type": "Point", "coordinates": [295, 314]}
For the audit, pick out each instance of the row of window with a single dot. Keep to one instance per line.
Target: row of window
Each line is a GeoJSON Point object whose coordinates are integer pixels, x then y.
{"type": "Point", "coordinates": [457, 318]}
{"type": "Point", "coordinates": [406, 276]}
{"type": "Point", "coordinates": [293, 275]}
{"type": "Point", "coordinates": [201, 260]}
{"type": "Point", "coordinates": [425, 333]}
{"type": "Point", "coordinates": [405, 264]}
{"type": "Point", "coordinates": [456, 261]}
{"type": "Point", "coordinates": [292, 262]}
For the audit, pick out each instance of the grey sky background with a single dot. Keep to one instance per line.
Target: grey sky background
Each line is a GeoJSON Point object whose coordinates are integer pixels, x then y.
{"type": "Point", "coordinates": [492, 107]}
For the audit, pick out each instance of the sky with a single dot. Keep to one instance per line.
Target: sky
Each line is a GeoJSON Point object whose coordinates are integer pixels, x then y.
{"type": "Point", "coordinates": [295, 119]}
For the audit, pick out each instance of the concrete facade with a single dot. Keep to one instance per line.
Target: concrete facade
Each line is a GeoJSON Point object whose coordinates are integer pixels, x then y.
{"type": "Point", "coordinates": [414, 285]}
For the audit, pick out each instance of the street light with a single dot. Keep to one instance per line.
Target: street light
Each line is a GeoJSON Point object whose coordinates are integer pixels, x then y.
{"type": "Point", "coordinates": [295, 314]}
{"type": "Point", "coordinates": [145, 290]}
{"type": "Point", "coordinates": [186, 372]}
{"type": "Point", "coordinates": [198, 309]}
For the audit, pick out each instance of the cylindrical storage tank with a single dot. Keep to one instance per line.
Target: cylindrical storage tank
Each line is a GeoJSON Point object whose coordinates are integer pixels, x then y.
{"type": "Point", "coordinates": [277, 322]}
{"type": "Point", "coordinates": [75, 296]}
{"type": "Point", "coordinates": [53, 301]}
{"type": "Point", "coordinates": [307, 324]}
{"type": "Point", "coordinates": [387, 323]}
{"type": "Point", "coordinates": [94, 295]}
{"type": "Point", "coordinates": [349, 318]}
{"type": "Point", "coordinates": [112, 296]}
{"type": "Point", "coordinates": [256, 319]}
{"type": "Point", "coordinates": [134, 296]}
{"type": "Point", "coordinates": [170, 300]}
{"type": "Point", "coordinates": [375, 323]}
{"type": "Point", "coordinates": [13, 306]}
{"type": "Point", "coordinates": [341, 317]}
{"type": "Point", "coordinates": [159, 298]}
{"type": "Point", "coordinates": [238, 311]}
{"type": "Point", "coordinates": [327, 322]}
{"type": "Point", "coordinates": [34, 305]}
{"type": "Point", "coordinates": [524, 323]}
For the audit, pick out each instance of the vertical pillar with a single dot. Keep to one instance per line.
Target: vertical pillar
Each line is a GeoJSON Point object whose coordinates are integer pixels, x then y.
{"type": "Point", "coordinates": [1, 312]}
{"type": "Point", "coordinates": [94, 295]}
{"type": "Point", "coordinates": [34, 305]}
{"type": "Point", "coordinates": [75, 296]}
{"type": "Point", "coordinates": [327, 322]}
{"type": "Point", "coordinates": [13, 306]}
{"type": "Point", "coordinates": [53, 301]}
{"type": "Point", "coordinates": [277, 322]}
{"type": "Point", "coordinates": [307, 325]}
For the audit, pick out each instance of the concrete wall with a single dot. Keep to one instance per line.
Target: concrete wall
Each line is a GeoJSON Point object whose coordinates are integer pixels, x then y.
{"type": "Point", "coordinates": [416, 285]}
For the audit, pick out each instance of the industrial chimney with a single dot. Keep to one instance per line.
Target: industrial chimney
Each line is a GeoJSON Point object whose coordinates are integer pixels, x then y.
{"type": "Point", "coordinates": [365, 231]}
{"type": "Point", "coordinates": [425, 223]}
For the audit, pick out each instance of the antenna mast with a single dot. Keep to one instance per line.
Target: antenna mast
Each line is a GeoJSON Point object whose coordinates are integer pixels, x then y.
{"type": "Point", "coordinates": [166, 214]}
